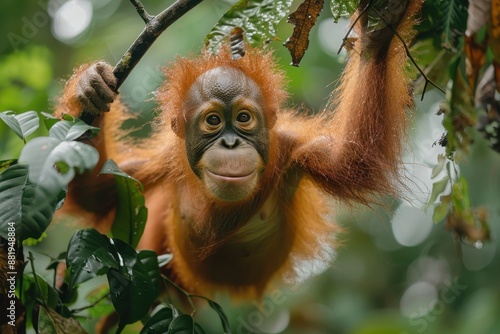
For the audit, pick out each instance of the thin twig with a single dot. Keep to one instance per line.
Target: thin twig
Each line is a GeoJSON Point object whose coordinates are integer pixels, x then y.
{"type": "Point", "coordinates": [184, 292]}
{"type": "Point", "coordinates": [141, 10]}
{"type": "Point", "coordinates": [35, 277]}
{"type": "Point", "coordinates": [153, 29]}
{"type": "Point", "coordinates": [83, 308]}
{"type": "Point", "coordinates": [344, 40]}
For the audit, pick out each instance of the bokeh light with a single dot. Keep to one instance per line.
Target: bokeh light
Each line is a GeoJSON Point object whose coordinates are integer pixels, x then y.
{"type": "Point", "coordinates": [71, 20]}
{"type": "Point", "coordinates": [411, 225]}
{"type": "Point", "coordinates": [419, 299]}
{"type": "Point", "coordinates": [329, 37]}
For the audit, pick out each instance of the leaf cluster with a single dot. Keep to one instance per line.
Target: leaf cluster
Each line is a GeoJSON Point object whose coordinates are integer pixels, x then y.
{"type": "Point", "coordinates": [460, 41]}
{"type": "Point", "coordinates": [33, 187]}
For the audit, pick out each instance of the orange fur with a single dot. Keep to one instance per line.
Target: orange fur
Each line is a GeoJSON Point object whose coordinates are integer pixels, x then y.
{"type": "Point", "coordinates": [350, 151]}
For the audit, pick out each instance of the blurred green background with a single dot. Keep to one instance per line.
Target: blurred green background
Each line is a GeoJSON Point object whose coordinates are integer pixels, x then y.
{"type": "Point", "coordinates": [396, 272]}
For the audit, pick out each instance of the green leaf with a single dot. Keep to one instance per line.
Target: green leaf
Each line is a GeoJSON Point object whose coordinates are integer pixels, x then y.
{"type": "Point", "coordinates": [45, 292]}
{"type": "Point", "coordinates": [49, 120]}
{"type": "Point", "coordinates": [343, 8]}
{"type": "Point", "coordinates": [440, 212]}
{"type": "Point", "coordinates": [23, 124]}
{"type": "Point", "coordinates": [134, 278]}
{"type": "Point", "coordinates": [134, 285]}
{"type": "Point", "coordinates": [164, 259]}
{"type": "Point", "coordinates": [198, 329]}
{"type": "Point", "coordinates": [4, 164]}
{"type": "Point", "coordinates": [149, 260]}
{"type": "Point", "coordinates": [222, 315]}
{"type": "Point", "coordinates": [71, 130]}
{"type": "Point", "coordinates": [454, 18]}
{"type": "Point", "coordinates": [460, 194]}
{"type": "Point", "coordinates": [131, 213]}
{"type": "Point", "coordinates": [90, 254]}
{"type": "Point", "coordinates": [33, 242]}
{"type": "Point", "coordinates": [440, 165]}
{"type": "Point", "coordinates": [159, 322]}
{"type": "Point", "coordinates": [24, 207]}
{"type": "Point", "coordinates": [43, 154]}
{"type": "Point", "coordinates": [384, 12]}
{"type": "Point", "coordinates": [437, 189]}
{"type": "Point", "coordinates": [182, 324]}
{"type": "Point", "coordinates": [258, 19]}
{"type": "Point", "coordinates": [459, 112]}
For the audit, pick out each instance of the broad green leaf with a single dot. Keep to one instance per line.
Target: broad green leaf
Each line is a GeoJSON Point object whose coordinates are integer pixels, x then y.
{"type": "Point", "coordinates": [343, 8]}
{"type": "Point", "coordinates": [258, 19]}
{"type": "Point", "coordinates": [149, 260]}
{"type": "Point", "coordinates": [25, 208]}
{"type": "Point", "coordinates": [72, 130]}
{"type": "Point", "coordinates": [22, 124]}
{"type": "Point", "coordinates": [437, 189]}
{"type": "Point", "coordinates": [134, 285]}
{"type": "Point", "coordinates": [159, 322]}
{"type": "Point", "coordinates": [131, 213]}
{"type": "Point", "coordinates": [49, 120]}
{"type": "Point", "coordinates": [52, 162]}
{"type": "Point", "coordinates": [182, 324]}
{"type": "Point", "coordinates": [198, 329]}
{"type": "Point", "coordinates": [29, 122]}
{"type": "Point", "coordinates": [90, 254]}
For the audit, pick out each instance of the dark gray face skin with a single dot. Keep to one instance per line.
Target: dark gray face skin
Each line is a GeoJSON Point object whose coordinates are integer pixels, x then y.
{"type": "Point", "coordinates": [226, 132]}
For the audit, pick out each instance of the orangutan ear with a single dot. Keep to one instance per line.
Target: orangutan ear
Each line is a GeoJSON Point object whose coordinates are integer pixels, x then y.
{"type": "Point", "coordinates": [177, 127]}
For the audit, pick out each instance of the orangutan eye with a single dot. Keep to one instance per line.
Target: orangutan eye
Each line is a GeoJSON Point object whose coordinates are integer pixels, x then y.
{"type": "Point", "coordinates": [213, 120]}
{"type": "Point", "coordinates": [243, 117]}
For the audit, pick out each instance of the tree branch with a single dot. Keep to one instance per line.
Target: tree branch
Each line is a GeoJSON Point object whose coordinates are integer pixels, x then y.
{"type": "Point", "coordinates": [155, 25]}
{"type": "Point", "coordinates": [142, 11]}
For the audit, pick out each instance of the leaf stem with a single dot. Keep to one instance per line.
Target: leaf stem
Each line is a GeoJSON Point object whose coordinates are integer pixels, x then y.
{"type": "Point", "coordinates": [184, 292]}
{"type": "Point", "coordinates": [35, 277]}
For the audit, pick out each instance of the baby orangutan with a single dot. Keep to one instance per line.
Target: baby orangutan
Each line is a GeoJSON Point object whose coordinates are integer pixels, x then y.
{"type": "Point", "coordinates": [238, 187]}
